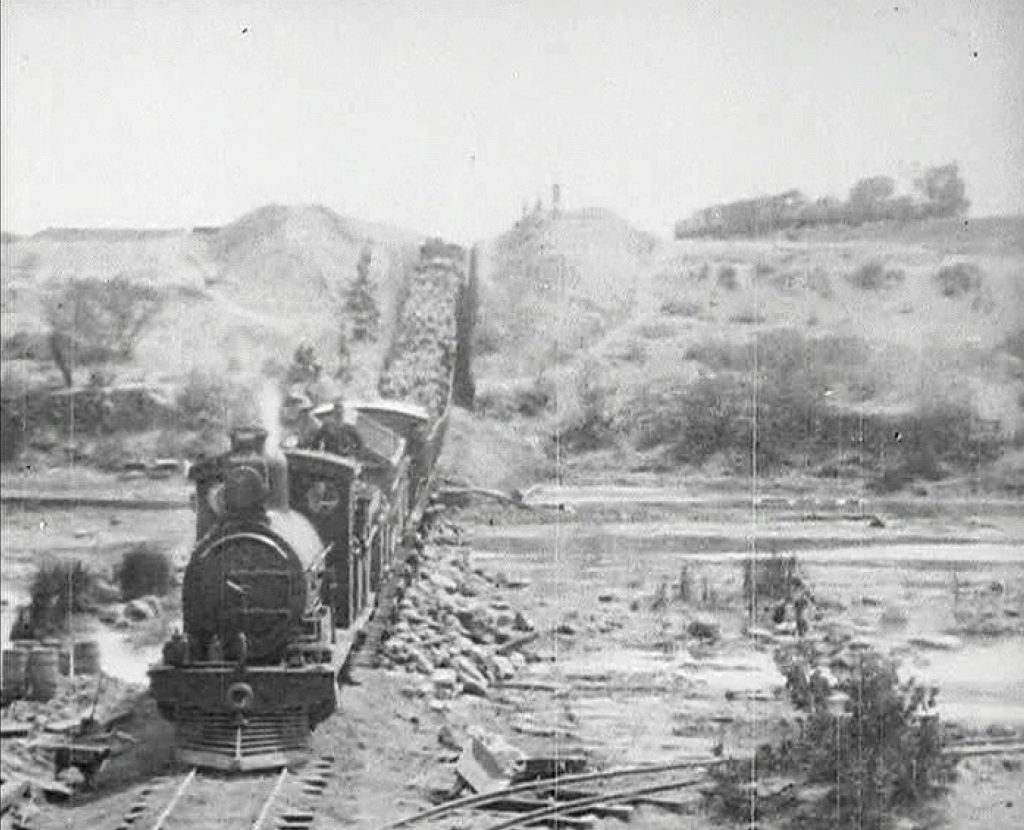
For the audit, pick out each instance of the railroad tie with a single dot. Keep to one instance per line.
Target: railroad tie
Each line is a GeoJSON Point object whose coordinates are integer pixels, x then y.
{"type": "Point", "coordinates": [295, 820]}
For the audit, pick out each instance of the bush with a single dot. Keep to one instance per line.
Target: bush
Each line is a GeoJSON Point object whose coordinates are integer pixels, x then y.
{"type": "Point", "coordinates": [587, 425]}
{"type": "Point", "coordinates": [144, 570]}
{"type": "Point", "coordinates": [58, 589]}
{"type": "Point", "coordinates": [764, 402]}
{"type": "Point", "coordinates": [680, 308]}
{"type": "Point", "coordinates": [883, 754]}
{"type": "Point", "coordinates": [728, 278]}
{"type": "Point", "coordinates": [23, 345]}
{"type": "Point", "coordinates": [1013, 344]}
{"type": "Point", "coordinates": [529, 400]}
{"type": "Point", "coordinates": [748, 318]}
{"type": "Point", "coordinates": [634, 351]}
{"type": "Point", "coordinates": [959, 279]}
{"type": "Point", "coordinates": [872, 276]}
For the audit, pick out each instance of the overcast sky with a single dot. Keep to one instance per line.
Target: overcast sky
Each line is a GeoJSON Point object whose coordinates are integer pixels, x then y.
{"type": "Point", "coordinates": [444, 115]}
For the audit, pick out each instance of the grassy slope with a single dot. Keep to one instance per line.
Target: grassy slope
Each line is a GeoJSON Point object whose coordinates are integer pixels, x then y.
{"type": "Point", "coordinates": [638, 313]}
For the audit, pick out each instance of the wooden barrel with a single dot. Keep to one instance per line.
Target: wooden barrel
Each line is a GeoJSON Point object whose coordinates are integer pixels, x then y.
{"type": "Point", "coordinates": [14, 662]}
{"type": "Point", "coordinates": [41, 673]}
{"type": "Point", "coordinates": [87, 657]}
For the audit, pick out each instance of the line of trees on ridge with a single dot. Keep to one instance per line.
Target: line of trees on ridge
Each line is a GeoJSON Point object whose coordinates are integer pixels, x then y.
{"type": "Point", "coordinates": [939, 192]}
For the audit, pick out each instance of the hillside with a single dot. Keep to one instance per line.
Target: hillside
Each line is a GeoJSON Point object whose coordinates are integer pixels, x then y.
{"type": "Point", "coordinates": [233, 296]}
{"type": "Point", "coordinates": [879, 325]}
{"type": "Point", "coordinates": [554, 284]}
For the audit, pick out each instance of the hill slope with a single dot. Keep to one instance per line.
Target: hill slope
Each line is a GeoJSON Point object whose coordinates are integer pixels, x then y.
{"type": "Point", "coordinates": [233, 296]}
{"type": "Point", "coordinates": [609, 335]}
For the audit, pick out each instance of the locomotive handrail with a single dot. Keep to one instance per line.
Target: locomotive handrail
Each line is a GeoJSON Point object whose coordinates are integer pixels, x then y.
{"type": "Point", "coordinates": [320, 558]}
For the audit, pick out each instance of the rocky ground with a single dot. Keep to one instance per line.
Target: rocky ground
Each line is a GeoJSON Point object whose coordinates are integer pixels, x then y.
{"type": "Point", "coordinates": [577, 632]}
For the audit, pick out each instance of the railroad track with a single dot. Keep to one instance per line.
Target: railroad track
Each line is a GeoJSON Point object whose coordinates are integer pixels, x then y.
{"type": "Point", "coordinates": [557, 800]}
{"type": "Point", "coordinates": [196, 801]}
{"type": "Point", "coordinates": [565, 787]}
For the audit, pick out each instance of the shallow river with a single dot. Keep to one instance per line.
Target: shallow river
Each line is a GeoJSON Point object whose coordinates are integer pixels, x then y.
{"type": "Point", "coordinates": [981, 681]}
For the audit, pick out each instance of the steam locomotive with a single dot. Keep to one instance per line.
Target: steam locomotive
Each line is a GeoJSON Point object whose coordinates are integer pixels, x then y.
{"type": "Point", "coordinates": [293, 548]}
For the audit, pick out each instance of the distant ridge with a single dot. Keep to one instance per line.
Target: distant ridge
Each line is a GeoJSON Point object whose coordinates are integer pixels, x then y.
{"type": "Point", "coordinates": [106, 234]}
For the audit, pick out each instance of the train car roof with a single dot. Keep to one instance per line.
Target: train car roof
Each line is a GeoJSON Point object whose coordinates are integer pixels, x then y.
{"type": "Point", "coordinates": [412, 410]}
{"type": "Point", "coordinates": [324, 459]}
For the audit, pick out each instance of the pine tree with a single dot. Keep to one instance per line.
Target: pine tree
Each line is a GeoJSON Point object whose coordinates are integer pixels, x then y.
{"type": "Point", "coordinates": [360, 303]}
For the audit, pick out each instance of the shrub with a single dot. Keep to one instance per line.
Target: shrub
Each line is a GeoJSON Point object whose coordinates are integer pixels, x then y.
{"type": "Point", "coordinates": [587, 426]}
{"type": "Point", "coordinates": [23, 345]}
{"type": "Point", "coordinates": [657, 330]}
{"type": "Point", "coordinates": [1013, 344]}
{"type": "Point", "coordinates": [58, 589]}
{"type": "Point", "coordinates": [720, 355]}
{"type": "Point", "coordinates": [873, 276]}
{"type": "Point", "coordinates": [728, 278]}
{"type": "Point", "coordinates": [680, 308]}
{"type": "Point", "coordinates": [882, 754]}
{"type": "Point", "coordinates": [530, 400]}
{"type": "Point", "coordinates": [747, 318]}
{"type": "Point", "coordinates": [959, 279]}
{"type": "Point", "coordinates": [635, 351]}
{"type": "Point", "coordinates": [144, 570]}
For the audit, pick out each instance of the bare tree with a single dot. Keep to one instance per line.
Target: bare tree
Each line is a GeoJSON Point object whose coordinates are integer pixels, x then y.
{"type": "Point", "coordinates": [95, 321]}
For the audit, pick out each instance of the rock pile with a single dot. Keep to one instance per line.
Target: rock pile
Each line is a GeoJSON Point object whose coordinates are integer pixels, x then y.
{"type": "Point", "coordinates": [453, 628]}
{"type": "Point", "coordinates": [422, 356]}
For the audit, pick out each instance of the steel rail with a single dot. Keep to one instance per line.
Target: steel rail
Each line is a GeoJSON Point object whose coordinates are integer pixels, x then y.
{"type": "Point", "coordinates": [178, 793]}
{"type": "Point", "coordinates": [552, 783]}
{"type": "Point", "coordinates": [265, 810]}
{"type": "Point", "coordinates": [578, 804]}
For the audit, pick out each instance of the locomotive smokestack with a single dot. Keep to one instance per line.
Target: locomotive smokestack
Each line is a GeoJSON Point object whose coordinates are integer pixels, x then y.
{"type": "Point", "coordinates": [249, 439]}
{"type": "Point", "coordinates": [252, 442]}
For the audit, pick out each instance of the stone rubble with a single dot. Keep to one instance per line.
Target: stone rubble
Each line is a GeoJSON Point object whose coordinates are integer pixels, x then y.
{"type": "Point", "coordinates": [453, 628]}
